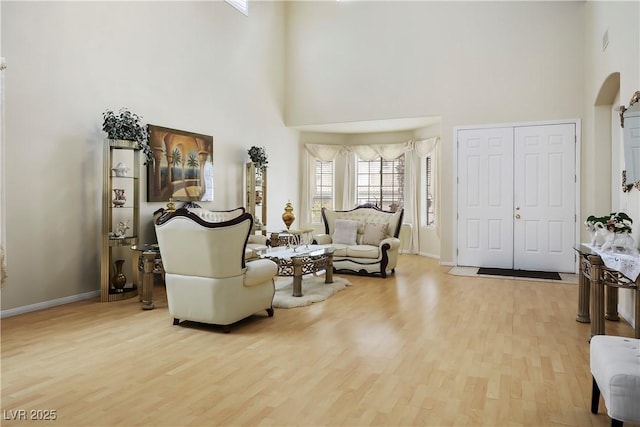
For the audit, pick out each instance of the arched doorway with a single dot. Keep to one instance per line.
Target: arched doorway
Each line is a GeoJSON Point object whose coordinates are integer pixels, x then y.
{"type": "Point", "coordinates": [606, 132]}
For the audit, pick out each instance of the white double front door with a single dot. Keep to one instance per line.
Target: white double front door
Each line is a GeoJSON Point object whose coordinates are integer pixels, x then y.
{"type": "Point", "coordinates": [517, 197]}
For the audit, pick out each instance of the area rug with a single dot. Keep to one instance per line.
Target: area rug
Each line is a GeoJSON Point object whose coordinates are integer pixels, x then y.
{"type": "Point", "coordinates": [313, 289]}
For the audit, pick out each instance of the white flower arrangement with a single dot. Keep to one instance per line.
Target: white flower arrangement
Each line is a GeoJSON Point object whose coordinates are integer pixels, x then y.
{"type": "Point", "coordinates": [616, 222]}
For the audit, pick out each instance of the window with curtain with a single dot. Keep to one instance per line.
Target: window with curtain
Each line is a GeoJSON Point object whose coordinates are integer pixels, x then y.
{"type": "Point", "coordinates": [381, 182]}
{"type": "Point", "coordinates": [429, 196]}
{"type": "Point", "coordinates": [323, 190]}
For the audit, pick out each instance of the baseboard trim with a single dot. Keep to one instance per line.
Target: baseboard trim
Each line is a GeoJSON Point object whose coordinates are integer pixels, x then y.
{"type": "Point", "coordinates": [429, 255]}
{"type": "Point", "coordinates": [627, 317]}
{"type": "Point", "coordinates": [48, 304]}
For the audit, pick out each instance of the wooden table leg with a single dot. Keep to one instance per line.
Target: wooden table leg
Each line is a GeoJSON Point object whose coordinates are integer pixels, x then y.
{"type": "Point", "coordinates": [611, 297]}
{"type": "Point", "coordinates": [328, 274]}
{"type": "Point", "coordinates": [597, 299]}
{"type": "Point", "coordinates": [637, 319]}
{"type": "Point", "coordinates": [136, 270]}
{"type": "Point", "coordinates": [297, 277]}
{"type": "Point", "coordinates": [583, 295]}
{"type": "Point", "coordinates": [147, 280]}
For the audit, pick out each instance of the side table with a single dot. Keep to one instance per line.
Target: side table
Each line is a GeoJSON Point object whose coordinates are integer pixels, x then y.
{"type": "Point", "coordinates": [147, 258]}
{"type": "Point", "coordinates": [594, 277]}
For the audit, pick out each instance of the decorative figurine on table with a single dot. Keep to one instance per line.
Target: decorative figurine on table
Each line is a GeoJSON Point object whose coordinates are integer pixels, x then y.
{"type": "Point", "coordinates": [171, 207]}
{"type": "Point", "coordinates": [288, 217]}
{"type": "Point", "coordinates": [597, 229]}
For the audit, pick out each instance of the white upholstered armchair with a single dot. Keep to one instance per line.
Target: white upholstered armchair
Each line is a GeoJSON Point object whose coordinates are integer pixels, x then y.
{"type": "Point", "coordinates": [206, 276]}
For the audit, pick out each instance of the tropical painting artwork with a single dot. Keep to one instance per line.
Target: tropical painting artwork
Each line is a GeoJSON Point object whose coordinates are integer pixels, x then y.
{"type": "Point", "coordinates": [182, 166]}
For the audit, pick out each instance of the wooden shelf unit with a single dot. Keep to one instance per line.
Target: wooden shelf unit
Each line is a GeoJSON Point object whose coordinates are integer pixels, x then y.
{"type": "Point", "coordinates": [115, 248]}
{"type": "Point", "coordinates": [256, 202]}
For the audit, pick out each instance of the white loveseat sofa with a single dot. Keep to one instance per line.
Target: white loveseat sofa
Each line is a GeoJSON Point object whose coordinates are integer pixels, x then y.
{"type": "Point", "coordinates": [365, 239]}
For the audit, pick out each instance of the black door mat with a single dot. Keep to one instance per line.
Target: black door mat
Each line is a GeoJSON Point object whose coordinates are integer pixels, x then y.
{"type": "Point", "coordinates": [549, 275]}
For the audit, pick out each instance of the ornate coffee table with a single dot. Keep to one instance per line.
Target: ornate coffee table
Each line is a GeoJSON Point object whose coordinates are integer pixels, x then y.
{"type": "Point", "coordinates": [297, 262]}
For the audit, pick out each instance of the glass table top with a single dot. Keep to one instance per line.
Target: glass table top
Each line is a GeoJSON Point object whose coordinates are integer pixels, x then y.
{"type": "Point", "coordinates": [294, 252]}
{"type": "Point", "coordinates": [146, 247]}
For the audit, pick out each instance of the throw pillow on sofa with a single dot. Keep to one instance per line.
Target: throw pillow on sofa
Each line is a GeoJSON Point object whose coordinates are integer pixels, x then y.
{"type": "Point", "coordinates": [374, 233]}
{"type": "Point", "coordinates": [346, 232]}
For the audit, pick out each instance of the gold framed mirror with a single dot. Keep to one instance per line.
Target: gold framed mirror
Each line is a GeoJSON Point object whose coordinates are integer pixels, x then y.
{"type": "Point", "coordinates": [630, 123]}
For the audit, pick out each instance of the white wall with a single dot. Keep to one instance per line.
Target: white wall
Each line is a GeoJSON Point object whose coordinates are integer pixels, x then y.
{"type": "Point", "coordinates": [622, 56]}
{"type": "Point", "coordinates": [603, 191]}
{"type": "Point", "coordinates": [467, 62]}
{"type": "Point", "coordinates": [196, 66]}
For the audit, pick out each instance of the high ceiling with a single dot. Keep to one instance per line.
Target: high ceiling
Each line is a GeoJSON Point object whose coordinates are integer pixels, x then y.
{"type": "Point", "coordinates": [372, 126]}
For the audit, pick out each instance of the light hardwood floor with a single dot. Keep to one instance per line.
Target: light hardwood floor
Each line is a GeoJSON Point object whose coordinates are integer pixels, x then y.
{"type": "Point", "coordinates": [420, 348]}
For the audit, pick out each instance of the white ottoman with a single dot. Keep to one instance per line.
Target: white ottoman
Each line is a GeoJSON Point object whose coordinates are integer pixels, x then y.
{"type": "Point", "coordinates": [615, 366]}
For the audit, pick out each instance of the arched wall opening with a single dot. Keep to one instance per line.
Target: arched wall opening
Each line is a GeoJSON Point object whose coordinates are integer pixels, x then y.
{"type": "Point", "coordinates": [603, 143]}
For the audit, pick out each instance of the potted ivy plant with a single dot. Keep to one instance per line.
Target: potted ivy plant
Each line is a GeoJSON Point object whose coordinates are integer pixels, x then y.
{"type": "Point", "coordinates": [128, 126]}
{"type": "Point", "coordinates": [258, 156]}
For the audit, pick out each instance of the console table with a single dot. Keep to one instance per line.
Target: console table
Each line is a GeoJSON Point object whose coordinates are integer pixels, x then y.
{"type": "Point", "coordinates": [594, 276]}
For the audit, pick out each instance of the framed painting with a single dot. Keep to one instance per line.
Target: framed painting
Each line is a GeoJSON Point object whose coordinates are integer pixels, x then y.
{"type": "Point", "coordinates": [182, 166]}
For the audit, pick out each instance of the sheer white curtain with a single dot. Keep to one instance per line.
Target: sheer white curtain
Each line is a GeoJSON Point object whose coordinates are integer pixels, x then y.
{"type": "Point", "coordinates": [313, 152]}
{"type": "Point", "coordinates": [412, 199]}
{"type": "Point", "coordinates": [3, 239]}
{"type": "Point", "coordinates": [347, 163]}
{"type": "Point", "coordinates": [421, 149]}
{"type": "Point", "coordinates": [386, 151]}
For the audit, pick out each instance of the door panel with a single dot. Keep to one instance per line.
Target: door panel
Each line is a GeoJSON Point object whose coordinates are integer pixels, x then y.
{"type": "Point", "coordinates": [516, 197]}
{"type": "Point", "coordinates": [544, 198]}
{"type": "Point", "coordinates": [485, 197]}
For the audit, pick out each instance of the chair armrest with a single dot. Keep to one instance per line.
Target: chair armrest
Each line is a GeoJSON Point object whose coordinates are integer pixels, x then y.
{"type": "Point", "coordinates": [259, 271]}
{"type": "Point", "coordinates": [393, 242]}
{"type": "Point", "coordinates": [322, 239]}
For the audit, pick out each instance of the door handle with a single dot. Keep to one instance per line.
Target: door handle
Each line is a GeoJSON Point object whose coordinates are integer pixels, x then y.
{"type": "Point", "coordinates": [517, 216]}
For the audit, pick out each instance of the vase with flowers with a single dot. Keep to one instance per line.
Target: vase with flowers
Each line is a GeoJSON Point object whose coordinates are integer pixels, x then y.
{"type": "Point", "coordinates": [612, 231]}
